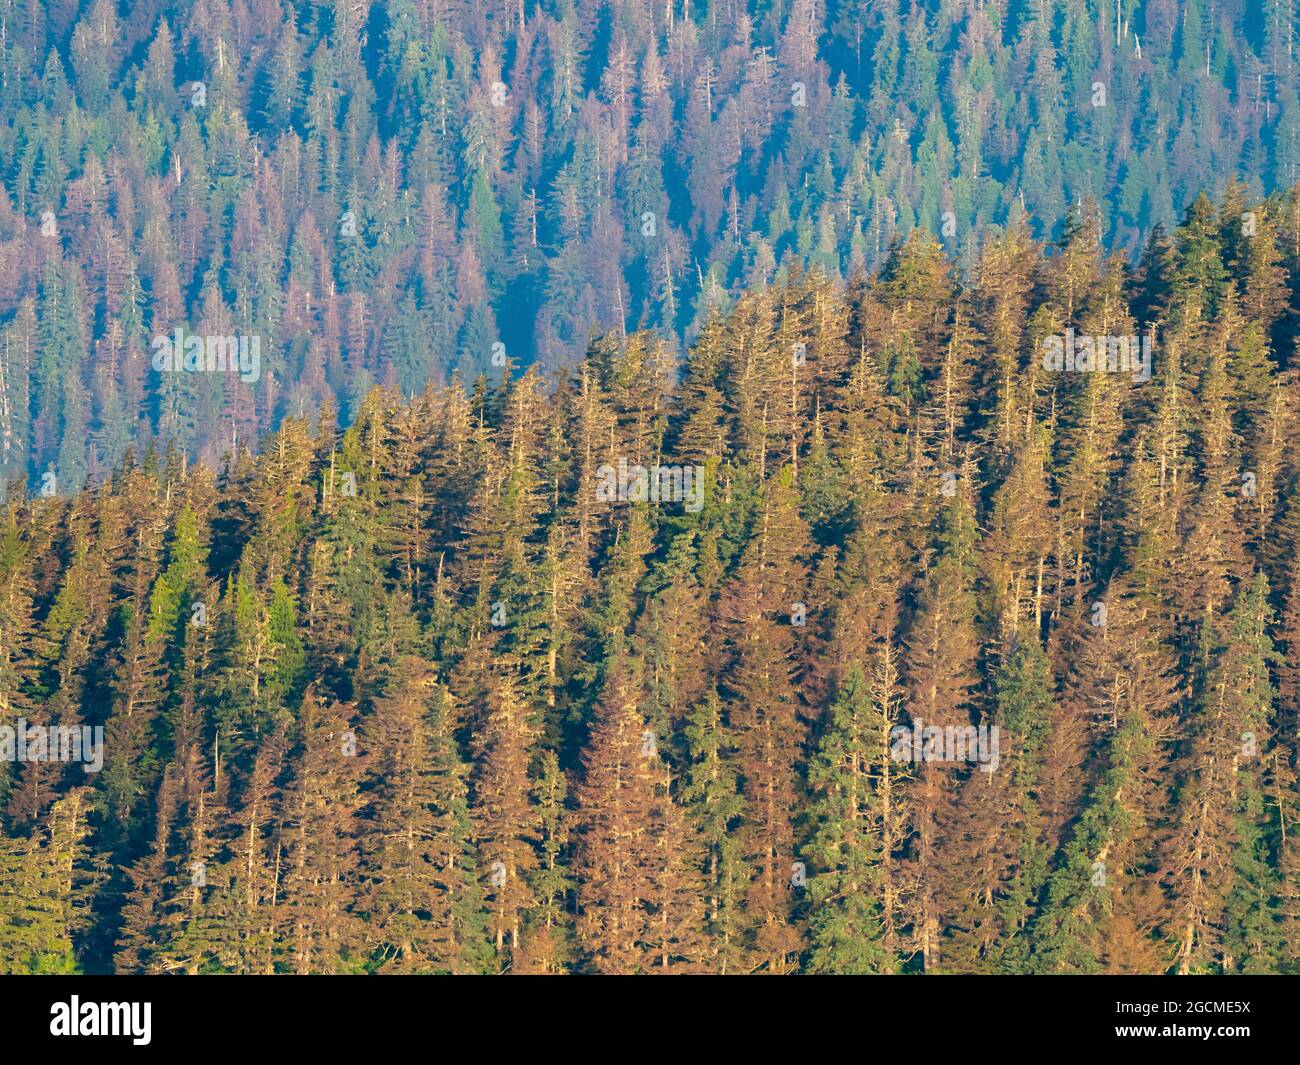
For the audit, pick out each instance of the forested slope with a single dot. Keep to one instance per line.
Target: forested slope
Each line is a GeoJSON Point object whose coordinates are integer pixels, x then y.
{"type": "Point", "coordinates": [440, 693]}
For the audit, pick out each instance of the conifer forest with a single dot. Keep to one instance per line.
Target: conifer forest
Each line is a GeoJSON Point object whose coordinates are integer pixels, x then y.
{"type": "Point", "coordinates": [650, 487]}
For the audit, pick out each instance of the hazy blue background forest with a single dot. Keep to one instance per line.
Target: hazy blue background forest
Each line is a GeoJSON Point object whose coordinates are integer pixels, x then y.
{"type": "Point", "coordinates": [393, 193]}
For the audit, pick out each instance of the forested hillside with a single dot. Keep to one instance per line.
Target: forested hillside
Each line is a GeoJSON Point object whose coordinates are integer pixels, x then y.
{"type": "Point", "coordinates": [382, 193]}
{"type": "Point", "coordinates": [455, 690]}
